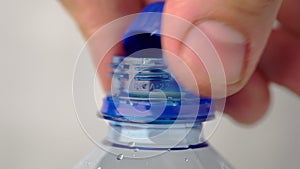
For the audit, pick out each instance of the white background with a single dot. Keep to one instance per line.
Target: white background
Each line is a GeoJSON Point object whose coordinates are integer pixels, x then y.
{"type": "Point", "coordinates": [39, 44]}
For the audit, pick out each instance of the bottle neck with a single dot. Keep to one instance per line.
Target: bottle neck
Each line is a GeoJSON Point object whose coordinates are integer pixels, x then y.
{"type": "Point", "coordinates": [162, 136]}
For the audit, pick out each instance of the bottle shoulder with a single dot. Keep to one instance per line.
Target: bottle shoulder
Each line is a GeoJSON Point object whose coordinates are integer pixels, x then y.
{"type": "Point", "coordinates": [200, 158]}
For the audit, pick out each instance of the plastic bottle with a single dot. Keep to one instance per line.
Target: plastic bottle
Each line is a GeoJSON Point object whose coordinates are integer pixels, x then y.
{"type": "Point", "coordinates": [154, 122]}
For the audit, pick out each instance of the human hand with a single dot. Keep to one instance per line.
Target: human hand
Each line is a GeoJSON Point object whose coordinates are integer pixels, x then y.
{"type": "Point", "coordinates": [239, 30]}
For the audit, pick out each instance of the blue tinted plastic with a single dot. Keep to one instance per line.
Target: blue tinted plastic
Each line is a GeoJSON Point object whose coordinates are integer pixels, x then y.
{"type": "Point", "coordinates": [140, 78]}
{"type": "Point", "coordinates": [144, 32]}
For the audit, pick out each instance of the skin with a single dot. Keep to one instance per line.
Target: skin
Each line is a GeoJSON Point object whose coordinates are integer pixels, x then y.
{"type": "Point", "coordinates": [273, 56]}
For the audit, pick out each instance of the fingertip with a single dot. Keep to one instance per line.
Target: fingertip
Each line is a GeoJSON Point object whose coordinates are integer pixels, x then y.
{"type": "Point", "coordinates": [251, 103]}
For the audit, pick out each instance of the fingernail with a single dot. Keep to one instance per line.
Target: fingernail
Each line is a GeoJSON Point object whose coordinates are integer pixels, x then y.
{"type": "Point", "coordinates": [230, 44]}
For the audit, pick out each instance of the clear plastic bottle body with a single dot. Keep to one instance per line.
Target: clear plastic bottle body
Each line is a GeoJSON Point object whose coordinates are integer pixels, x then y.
{"type": "Point", "coordinates": [200, 158]}
{"type": "Point", "coordinates": [136, 154]}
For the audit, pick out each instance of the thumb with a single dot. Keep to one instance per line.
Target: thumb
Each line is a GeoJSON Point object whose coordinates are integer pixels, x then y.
{"type": "Point", "coordinates": [237, 29]}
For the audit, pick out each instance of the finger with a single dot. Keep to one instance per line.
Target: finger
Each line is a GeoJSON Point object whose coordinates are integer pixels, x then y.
{"type": "Point", "coordinates": [289, 15]}
{"type": "Point", "coordinates": [281, 60]}
{"type": "Point", "coordinates": [238, 29]}
{"type": "Point", "coordinates": [91, 15]}
{"type": "Point", "coordinates": [251, 103]}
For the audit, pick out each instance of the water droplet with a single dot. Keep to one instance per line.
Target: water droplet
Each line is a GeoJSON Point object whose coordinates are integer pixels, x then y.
{"type": "Point", "coordinates": [186, 159]}
{"type": "Point", "coordinates": [88, 163]}
{"type": "Point", "coordinates": [131, 144]}
{"type": "Point", "coordinates": [136, 150]}
{"type": "Point", "coordinates": [187, 125]}
{"type": "Point", "coordinates": [99, 168]}
{"type": "Point", "coordinates": [169, 149]}
{"type": "Point", "coordinates": [224, 166]}
{"type": "Point", "coordinates": [120, 157]}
